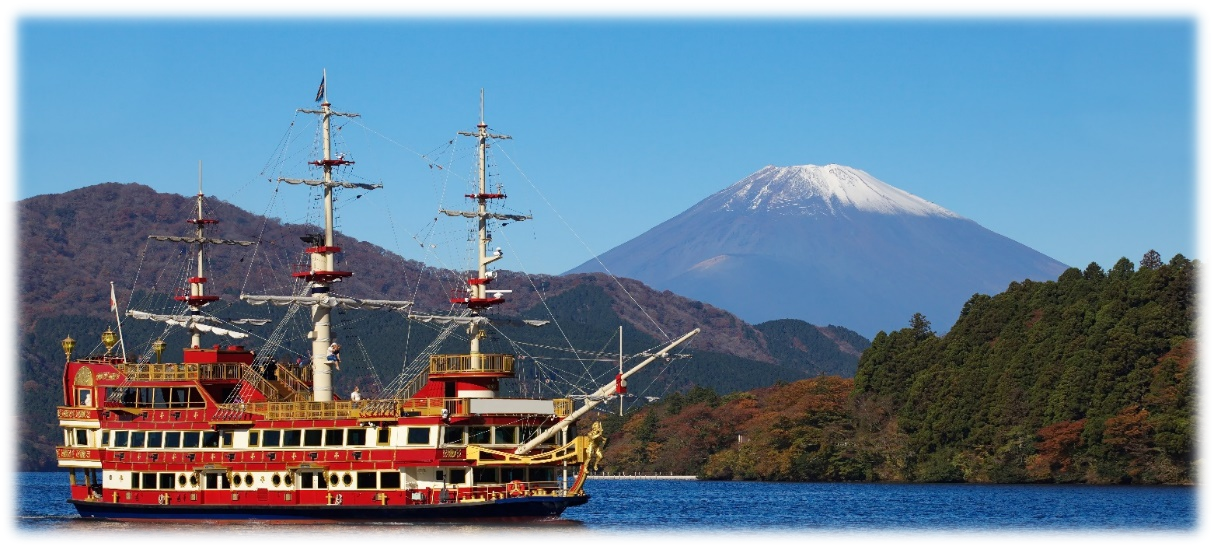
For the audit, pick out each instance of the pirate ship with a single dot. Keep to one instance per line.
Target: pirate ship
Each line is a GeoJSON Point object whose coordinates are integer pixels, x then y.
{"type": "Point", "coordinates": [225, 434]}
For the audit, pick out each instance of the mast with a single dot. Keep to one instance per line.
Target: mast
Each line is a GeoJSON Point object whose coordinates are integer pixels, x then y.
{"type": "Point", "coordinates": [321, 272]}
{"type": "Point", "coordinates": [196, 297]}
{"type": "Point", "coordinates": [479, 296]}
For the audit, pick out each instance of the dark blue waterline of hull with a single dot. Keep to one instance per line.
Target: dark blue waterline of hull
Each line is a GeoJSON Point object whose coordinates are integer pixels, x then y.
{"type": "Point", "coordinates": [524, 508]}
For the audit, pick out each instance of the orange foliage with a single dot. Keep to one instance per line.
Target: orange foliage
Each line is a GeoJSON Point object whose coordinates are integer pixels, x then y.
{"type": "Point", "coordinates": [1058, 443]}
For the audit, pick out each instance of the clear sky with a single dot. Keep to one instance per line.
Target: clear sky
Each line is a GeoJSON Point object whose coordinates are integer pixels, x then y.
{"type": "Point", "coordinates": [1073, 136]}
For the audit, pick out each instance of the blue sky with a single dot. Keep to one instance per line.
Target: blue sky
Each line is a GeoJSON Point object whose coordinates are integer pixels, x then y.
{"type": "Point", "coordinates": [1075, 137]}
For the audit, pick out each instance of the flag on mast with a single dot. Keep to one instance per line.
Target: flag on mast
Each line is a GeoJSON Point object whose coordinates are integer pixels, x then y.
{"type": "Point", "coordinates": [113, 299]}
{"type": "Point", "coordinates": [320, 92]}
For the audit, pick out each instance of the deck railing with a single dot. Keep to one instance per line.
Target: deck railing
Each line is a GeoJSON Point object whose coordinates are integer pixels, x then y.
{"type": "Point", "coordinates": [489, 363]}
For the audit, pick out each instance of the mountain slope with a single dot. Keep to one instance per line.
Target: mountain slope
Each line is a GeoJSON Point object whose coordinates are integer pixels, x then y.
{"type": "Point", "coordinates": [73, 244]}
{"type": "Point", "coordinates": [828, 245]}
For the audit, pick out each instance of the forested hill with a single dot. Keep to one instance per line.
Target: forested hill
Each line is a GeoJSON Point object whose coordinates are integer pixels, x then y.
{"type": "Point", "coordinates": [1089, 378]}
{"type": "Point", "coordinates": [73, 244]}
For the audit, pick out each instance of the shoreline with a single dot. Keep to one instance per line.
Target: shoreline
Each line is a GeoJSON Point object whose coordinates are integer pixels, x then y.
{"type": "Point", "coordinates": [639, 477]}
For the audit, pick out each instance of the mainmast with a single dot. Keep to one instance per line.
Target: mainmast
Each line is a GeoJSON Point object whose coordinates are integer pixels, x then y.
{"type": "Point", "coordinates": [479, 296]}
{"type": "Point", "coordinates": [196, 297]}
{"type": "Point", "coordinates": [321, 272]}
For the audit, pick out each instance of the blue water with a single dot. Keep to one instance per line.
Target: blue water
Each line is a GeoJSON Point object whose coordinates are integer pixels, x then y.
{"type": "Point", "coordinates": [706, 507]}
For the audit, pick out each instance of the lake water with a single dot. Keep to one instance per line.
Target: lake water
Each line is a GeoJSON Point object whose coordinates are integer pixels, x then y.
{"type": "Point", "coordinates": [696, 507]}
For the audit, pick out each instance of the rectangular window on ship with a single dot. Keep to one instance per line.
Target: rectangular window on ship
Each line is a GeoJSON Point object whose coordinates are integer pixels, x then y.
{"type": "Point", "coordinates": [418, 436]}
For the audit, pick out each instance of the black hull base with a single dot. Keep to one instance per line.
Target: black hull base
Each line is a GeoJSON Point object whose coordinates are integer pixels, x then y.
{"type": "Point", "coordinates": [511, 509]}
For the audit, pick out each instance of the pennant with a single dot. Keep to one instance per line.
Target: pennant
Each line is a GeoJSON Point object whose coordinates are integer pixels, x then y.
{"type": "Point", "coordinates": [320, 93]}
{"type": "Point", "coordinates": [113, 299]}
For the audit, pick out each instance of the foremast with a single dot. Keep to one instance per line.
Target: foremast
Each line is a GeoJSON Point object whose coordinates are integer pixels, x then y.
{"type": "Point", "coordinates": [195, 297]}
{"type": "Point", "coordinates": [321, 270]}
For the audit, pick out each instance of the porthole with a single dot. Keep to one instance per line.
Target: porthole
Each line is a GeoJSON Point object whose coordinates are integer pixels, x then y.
{"type": "Point", "coordinates": [332, 479]}
{"type": "Point", "coordinates": [236, 480]}
{"type": "Point", "coordinates": [346, 480]}
{"type": "Point", "coordinates": [276, 480]}
{"type": "Point", "coordinates": [288, 479]}
{"type": "Point", "coordinates": [248, 479]}
{"type": "Point", "coordinates": [181, 480]}
{"type": "Point", "coordinates": [194, 480]}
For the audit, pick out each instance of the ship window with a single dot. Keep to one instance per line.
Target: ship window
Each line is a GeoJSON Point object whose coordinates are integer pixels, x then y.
{"type": "Point", "coordinates": [160, 397]}
{"type": "Point", "coordinates": [515, 473]}
{"type": "Point", "coordinates": [458, 476]}
{"type": "Point", "coordinates": [527, 433]}
{"type": "Point", "coordinates": [335, 436]}
{"type": "Point", "coordinates": [137, 438]}
{"type": "Point", "coordinates": [389, 480]}
{"type": "Point", "coordinates": [254, 438]}
{"type": "Point", "coordinates": [236, 480]}
{"type": "Point", "coordinates": [225, 438]}
{"type": "Point", "coordinates": [332, 479]}
{"type": "Point", "coordinates": [290, 438]}
{"type": "Point", "coordinates": [82, 437]}
{"type": "Point", "coordinates": [286, 479]}
{"type": "Point", "coordinates": [382, 435]}
{"type": "Point", "coordinates": [276, 480]}
{"type": "Point", "coordinates": [366, 480]}
{"type": "Point", "coordinates": [505, 435]}
{"type": "Point", "coordinates": [478, 435]}
{"type": "Point", "coordinates": [190, 439]}
{"type": "Point", "coordinates": [418, 436]}
{"type": "Point", "coordinates": [147, 480]}
{"type": "Point", "coordinates": [172, 440]}
{"type": "Point", "coordinates": [542, 474]}
{"type": "Point", "coordinates": [210, 438]}
{"type": "Point", "coordinates": [346, 480]}
{"type": "Point", "coordinates": [453, 435]}
{"type": "Point", "coordinates": [105, 438]}
{"type": "Point", "coordinates": [356, 437]}
{"type": "Point", "coordinates": [84, 397]}
{"type": "Point", "coordinates": [312, 437]}
{"type": "Point", "coordinates": [121, 437]}
{"type": "Point", "coordinates": [166, 480]}
{"type": "Point", "coordinates": [216, 480]}
{"type": "Point", "coordinates": [270, 438]}
{"type": "Point", "coordinates": [484, 475]}
{"type": "Point", "coordinates": [155, 439]}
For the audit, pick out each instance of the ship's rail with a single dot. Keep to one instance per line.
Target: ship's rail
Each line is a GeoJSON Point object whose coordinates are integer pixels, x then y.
{"type": "Point", "coordinates": [182, 372]}
{"type": "Point", "coordinates": [366, 410]}
{"type": "Point", "coordinates": [489, 363]}
{"type": "Point", "coordinates": [292, 410]}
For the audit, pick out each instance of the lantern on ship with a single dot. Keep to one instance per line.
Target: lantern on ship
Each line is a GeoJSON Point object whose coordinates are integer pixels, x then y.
{"type": "Point", "coordinates": [109, 339]}
{"type": "Point", "coordinates": [68, 344]}
{"type": "Point", "coordinates": [158, 346]}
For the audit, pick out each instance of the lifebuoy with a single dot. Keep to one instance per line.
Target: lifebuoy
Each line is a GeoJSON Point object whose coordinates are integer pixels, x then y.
{"type": "Point", "coordinates": [516, 488]}
{"type": "Point", "coordinates": [337, 499]}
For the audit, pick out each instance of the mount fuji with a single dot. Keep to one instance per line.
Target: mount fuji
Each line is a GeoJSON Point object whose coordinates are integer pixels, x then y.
{"type": "Point", "coordinates": [828, 245]}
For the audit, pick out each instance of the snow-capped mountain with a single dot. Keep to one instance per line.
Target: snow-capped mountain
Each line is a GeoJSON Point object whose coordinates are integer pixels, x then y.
{"type": "Point", "coordinates": [828, 245]}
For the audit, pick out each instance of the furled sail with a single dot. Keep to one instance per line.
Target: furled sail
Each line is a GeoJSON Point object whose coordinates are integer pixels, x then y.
{"type": "Point", "coordinates": [198, 240]}
{"type": "Point", "coordinates": [448, 319]}
{"type": "Point", "coordinates": [330, 301]}
{"type": "Point", "coordinates": [332, 184]}
{"type": "Point", "coordinates": [494, 215]}
{"type": "Point", "coordinates": [195, 322]}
